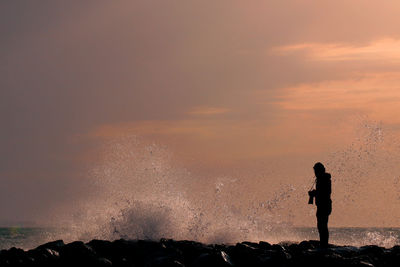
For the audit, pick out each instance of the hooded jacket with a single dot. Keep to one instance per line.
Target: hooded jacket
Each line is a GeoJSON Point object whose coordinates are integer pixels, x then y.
{"type": "Point", "coordinates": [323, 191]}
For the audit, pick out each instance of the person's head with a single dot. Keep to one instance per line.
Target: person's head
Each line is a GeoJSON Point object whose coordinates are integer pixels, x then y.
{"type": "Point", "coordinates": [319, 169]}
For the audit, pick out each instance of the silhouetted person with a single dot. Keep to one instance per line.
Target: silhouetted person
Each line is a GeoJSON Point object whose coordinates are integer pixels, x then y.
{"type": "Point", "coordinates": [322, 195]}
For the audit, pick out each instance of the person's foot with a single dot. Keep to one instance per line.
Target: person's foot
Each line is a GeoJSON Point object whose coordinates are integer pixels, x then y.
{"type": "Point", "coordinates": [323, 245]}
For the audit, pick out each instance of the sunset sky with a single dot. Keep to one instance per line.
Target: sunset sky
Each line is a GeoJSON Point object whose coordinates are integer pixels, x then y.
{"type": "Point", "coordinates": [221, 85]}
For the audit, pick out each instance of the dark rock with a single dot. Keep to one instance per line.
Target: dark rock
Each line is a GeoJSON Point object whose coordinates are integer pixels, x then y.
{"type": "Point", "coordinates": [164, 262]}
{"type": "Point", "coordinates": [264, 245]}
{"type": "Point", "coordinates": [217, 258]}
{"type": "Point", "coordinates": [245, 254]}
{"type": "Point", "coordinates": [54, 245]}
{"type": "Point", "coordinates": [251, 244]}
{"type": "Point", "coordinates": [372, 250]}
{"type": "Point", "coordinates": [124, 252]}
{"type": "Point", "coordinates": [364, 264]}
{"type": "Point", "coordinates": [244, 250]}
{"type": "Point", "coordinates": [395, 249]}
{"type": "Point", "coordinates": [286, 244]}
{"type": "Point", "coordinates": [78, 253]}
{"type": "Point", "coordinates": [191, 250]}
{"type": "Point", "coordinates": [102, 248]}
{"type": "Point", "coordinates": [346, 251]}
{"type": "Point", "coordinates": [102, 262]}
{"type": "Point", "coordinates": [168, 252]}
{"type": "Point", "coordinates": [356, 262]}
{"type": "Point", "coordinates": [15, 257]}
{"type": "Point", "coordinates": [277, 247]}
{"type": "Point", "coordinates": [311, 244]}
{"type": "Point", "coordinates": [149, 245]}
{"type": "Point", "coordinates": [43, 256]}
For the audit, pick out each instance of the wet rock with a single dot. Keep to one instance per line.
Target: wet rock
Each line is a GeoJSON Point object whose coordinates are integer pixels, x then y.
{"type": "Point", "coordinates": [43, 256]}
{"type": "Point", "coordinates": [78, 253]}
{"type": "Point", "coordinates": [102, 262]}
{"type": "Point", "coordinates": [244, 251]}
{"type": "Point", "coordinates": [126, 251]}
{"type": "Point", "coordinates": [191, 250]}
{"type": "Point", "coordinates": [346, 251]}
{"type": "Point", "coordinates": [264, 245]}
{"type": "Point", "coordinates": [310, 244]}
{"type": "Point", "coordinates": [164, 262]}
{"type": "Point", "coordinates": [217, 258]}
{"type": "Point", "coordinates": [251, 244]}
{"type": "Point", "coordinates": [15, 257]}
{"type": "Point", "coordinates": [374, 254]}
{"type": "Point", "coordinates": [102, 248]}
{"type": "Point", "coordinates": [356, 262]}
{"type": "Point", "coordinates": [245, 254]}
{"type": "Point", "coordinates": [168, 252]}
{"type": "Point", "coordinates": [54, 245]}
{"type": "Point", "coordinates": [277, 247]}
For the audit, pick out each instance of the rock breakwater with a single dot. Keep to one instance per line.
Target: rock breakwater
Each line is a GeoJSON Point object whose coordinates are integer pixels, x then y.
{"type": "Point", "coordinates": [167, 252]}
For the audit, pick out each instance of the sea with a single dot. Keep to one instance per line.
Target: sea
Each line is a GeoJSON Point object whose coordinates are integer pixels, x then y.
{"type": "Point", "coordinates": [139, 190]}
{"type": "Point", "coordinates": [29, 238]}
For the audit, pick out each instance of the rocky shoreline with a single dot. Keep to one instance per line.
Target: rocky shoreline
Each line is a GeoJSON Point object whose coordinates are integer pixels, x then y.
{"type": "Point", "coordinates": [167, 252]}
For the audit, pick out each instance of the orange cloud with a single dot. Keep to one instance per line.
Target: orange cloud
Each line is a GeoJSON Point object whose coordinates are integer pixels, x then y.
{"type": "Point", "coordinates": [306, 119]}
{"type": "Point", "coordinates": [208, 111]}
{"type": "Point", "coordinates": [377, 95]}
{"type": "Point", "coordinates": [383, 49]}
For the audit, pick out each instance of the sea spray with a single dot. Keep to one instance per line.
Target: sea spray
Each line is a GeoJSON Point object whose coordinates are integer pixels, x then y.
{"type": "Point", "coordinates": [138, 190]}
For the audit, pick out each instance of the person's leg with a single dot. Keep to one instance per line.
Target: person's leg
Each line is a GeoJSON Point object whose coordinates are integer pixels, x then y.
{"type": "Point", "coordinates": [322, 224]}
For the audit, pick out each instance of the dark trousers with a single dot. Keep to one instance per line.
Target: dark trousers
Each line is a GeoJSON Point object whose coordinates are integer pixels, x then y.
{"type": "Point", "coordinates": [322, 224]}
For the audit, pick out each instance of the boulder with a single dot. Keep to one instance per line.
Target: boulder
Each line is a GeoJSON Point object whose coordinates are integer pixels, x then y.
{"type": "Point", "coordinates": [78, 253]}
{"type": "Point", "coordinates": [54, 245]}
{"type": "Point", "coordinates": [217, 258]}
{"type": "Point", "coordinates": [168, 252]}
{"type": "Point", "coordinates": [43, 256]}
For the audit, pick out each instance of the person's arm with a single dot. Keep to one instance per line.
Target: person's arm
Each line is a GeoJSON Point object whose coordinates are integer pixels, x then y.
{"type": "Point", "coordinates": [312, 193]}
{"type": "Point", "coordinates": [326, 188]}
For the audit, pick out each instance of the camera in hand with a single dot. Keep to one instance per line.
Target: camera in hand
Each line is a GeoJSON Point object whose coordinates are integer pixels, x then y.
{"type": "Point", "coordinates": [311, 197]}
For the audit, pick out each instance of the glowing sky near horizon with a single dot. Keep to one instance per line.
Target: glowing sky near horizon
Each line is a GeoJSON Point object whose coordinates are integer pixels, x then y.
{"type": "Point", "coordinates": [220, 83]}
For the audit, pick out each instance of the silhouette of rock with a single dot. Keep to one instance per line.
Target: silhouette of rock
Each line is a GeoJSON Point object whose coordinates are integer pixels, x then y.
{"type": "Point", "coordinates": [168, 252]}
{"type": "Point", "coordinates": [54, 245]}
